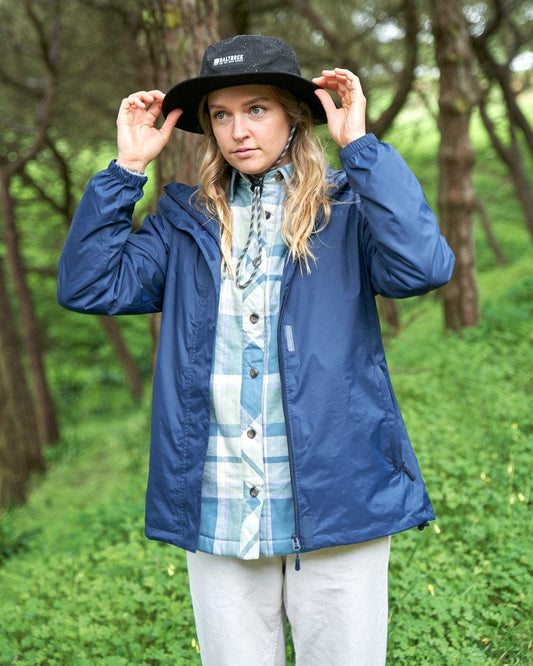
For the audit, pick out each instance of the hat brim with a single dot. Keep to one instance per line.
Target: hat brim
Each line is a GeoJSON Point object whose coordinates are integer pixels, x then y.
{"type": "Point", "coordinates": [188, 94]}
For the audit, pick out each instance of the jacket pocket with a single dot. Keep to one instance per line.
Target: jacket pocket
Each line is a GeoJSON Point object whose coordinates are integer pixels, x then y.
{"type": "Point", "coordinates": [392, 422]}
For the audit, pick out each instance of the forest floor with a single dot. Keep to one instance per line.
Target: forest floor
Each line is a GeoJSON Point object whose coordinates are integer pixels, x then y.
{"type": "Point", "coordinates": [80, 585]}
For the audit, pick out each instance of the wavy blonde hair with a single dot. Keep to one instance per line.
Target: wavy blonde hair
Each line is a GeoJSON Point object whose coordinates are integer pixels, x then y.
{"type": "Point", "coordinates": [307, 191]}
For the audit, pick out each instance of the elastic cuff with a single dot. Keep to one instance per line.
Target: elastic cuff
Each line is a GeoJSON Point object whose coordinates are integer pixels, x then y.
{"type": "Point", "coordinates": [126, 176]}
{"type": "Point", "coordinates": [356, 146]}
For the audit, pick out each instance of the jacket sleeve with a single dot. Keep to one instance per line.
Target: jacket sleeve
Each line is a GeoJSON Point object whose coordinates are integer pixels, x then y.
{"type": "Point", "coordinates": [104, 268]}
{"type": "Point", "coordinates": [404, 251]}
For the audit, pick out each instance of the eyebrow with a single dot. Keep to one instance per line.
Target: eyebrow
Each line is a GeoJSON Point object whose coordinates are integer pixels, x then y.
{"type": "Point", "coordinates": [248, 102]}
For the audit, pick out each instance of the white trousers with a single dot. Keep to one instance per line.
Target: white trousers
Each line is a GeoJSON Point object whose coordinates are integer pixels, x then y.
{"type": "Point", "coordinates": [337, 606]}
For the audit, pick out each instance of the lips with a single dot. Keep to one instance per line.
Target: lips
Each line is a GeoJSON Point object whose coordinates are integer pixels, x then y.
{"type": "Point", "coordinates": [244, 152]}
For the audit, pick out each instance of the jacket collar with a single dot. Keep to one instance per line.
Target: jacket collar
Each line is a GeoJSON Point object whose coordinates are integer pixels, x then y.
{"type": "Point", "coordinates": [196, 216]}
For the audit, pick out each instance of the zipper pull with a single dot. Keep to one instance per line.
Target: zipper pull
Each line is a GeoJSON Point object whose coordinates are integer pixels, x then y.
{"type": "Point", "coordinates": [406, 469]}
{"type": "Point", "coordinates": [296, 546]}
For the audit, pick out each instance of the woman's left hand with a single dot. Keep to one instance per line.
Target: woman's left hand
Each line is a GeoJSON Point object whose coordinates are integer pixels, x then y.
{"type": "Point", "coordinates": [346, 123]}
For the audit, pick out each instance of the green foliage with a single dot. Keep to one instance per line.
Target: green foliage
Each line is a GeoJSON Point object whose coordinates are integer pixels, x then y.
{"type": "Point", "coordinates": [79, 583]}
{"type": "Point", "coordinates": [461, 592]}
{"type": "Point", "coordinates": [86, 587]}
{"type": "Point", "coordinates": [13, 540]}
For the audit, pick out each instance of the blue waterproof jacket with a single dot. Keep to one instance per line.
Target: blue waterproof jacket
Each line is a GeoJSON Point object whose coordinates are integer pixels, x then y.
{"type": "Point", "coordinates": [354, 474]}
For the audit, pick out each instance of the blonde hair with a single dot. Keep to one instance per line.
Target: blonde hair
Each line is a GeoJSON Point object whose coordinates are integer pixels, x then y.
{"type": "Point", "coordinates": [307, 191]}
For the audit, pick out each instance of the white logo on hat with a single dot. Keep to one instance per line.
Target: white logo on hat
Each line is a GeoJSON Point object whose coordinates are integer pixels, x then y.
{"type": "Point", "coordinates": [228, 60]}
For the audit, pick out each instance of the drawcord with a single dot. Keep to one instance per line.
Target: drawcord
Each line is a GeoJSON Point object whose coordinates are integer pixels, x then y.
{"type": "Point", "coordinates": [257, 190]}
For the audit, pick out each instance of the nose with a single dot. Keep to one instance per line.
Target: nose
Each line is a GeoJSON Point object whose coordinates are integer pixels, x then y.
{"type": "Point", "coordinates": [240, 127]}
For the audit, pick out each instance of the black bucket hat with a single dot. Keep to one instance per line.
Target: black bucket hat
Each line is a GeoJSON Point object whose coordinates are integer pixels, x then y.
{"type": "Point", "coordinates": [238, 61]}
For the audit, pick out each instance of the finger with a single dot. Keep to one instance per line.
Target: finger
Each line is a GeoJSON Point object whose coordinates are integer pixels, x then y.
{"type": "Point", "coordinates": [157, 94]}
{"type": "Point", "coordinates": [153, 98]}
{"type": "Point", "coordinates": [142, 99]}
{"type": "Point", "coordinates": [350, 90]}
{"type": "Point", "coordinates": [170, 123]}
{"type": "Point", "coordinates": [135, 100]}
{"type": "Point", "coordinates": [326, 101]}
{"type": "Point", "coordinates": [349, 79]}
{"type": "Point", "coordinates": [339, 71]}
{"type": "Point", "coordinates": [340, 80]}
{"type": "Point", "coordinates": [319, 80]}
{"type": "Point", "coordinates": [327, 80]}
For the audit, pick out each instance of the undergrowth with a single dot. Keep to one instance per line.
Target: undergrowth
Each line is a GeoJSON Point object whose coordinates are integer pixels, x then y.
{"type": "Point", "coordinates": [80, 585]}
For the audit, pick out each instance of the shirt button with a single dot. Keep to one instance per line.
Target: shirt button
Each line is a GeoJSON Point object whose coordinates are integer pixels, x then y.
{"type": "Point", "coordinates": [254, 492]}
{"type": "Point", "coordinates": [278, 176]}
{"type": "Point", "coordinates": [254, 318]}
{"type": "Point", "coordinates": [251, 433]}
{"type": "Point", "coordinates": [254, 372]}
{"type": "Point", "coordinates": [268, 214]}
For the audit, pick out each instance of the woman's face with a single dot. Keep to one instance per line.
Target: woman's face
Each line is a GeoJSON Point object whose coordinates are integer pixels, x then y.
{"type": "Point", "coordinates": [250, 127]}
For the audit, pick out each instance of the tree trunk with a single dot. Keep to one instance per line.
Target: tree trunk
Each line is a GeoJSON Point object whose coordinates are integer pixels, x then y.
{"type": "Point", "coordinates": [49, 45]}
{"type": "Point", "coordinates": [388, 311]}
{"type": "Point", "coordinates": [502, 74]}
{"type": "Point", "coordinates": [44, 404]}
{"type": "Point", "coordinates": [489, 234]}
{"type": "Point", "coordinates": [512, 157]}
{"type": "Point", "coordinates": [184, 29]}
{"type": "Point", "coordinates": [407, 74]}
{"type": "Point", "coordinates": [20, 450]}
{"type": "Point", "coordinates": [125, 358]}
{"type": "Point", "coordinates": [457, 199]}
{"type": "Point", "coordinates": [339, 42]}
{"type": "Point", "coordinates": [181, 32]}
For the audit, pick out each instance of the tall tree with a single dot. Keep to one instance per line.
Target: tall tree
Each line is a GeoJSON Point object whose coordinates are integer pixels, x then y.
{"type": "Point", "coordinates": [457, 199]}
{"type": "Point", "coordinates": [509, 25]}
{"type": "Point", "coordinates": [399, 22]}
{"type": "Point", "coordinates": [20, 450]}
{"type": "Point", "coordinates": [177, 34]}
{"type": "Point", "coordinates": [48, 40]}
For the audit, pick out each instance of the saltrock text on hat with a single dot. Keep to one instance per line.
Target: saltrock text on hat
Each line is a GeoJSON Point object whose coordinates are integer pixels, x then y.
{"type": "Point", "coordinates": [228, 60]}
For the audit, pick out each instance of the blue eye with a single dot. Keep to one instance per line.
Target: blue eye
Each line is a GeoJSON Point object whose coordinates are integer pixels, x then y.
{"type": "Point", "coordinates": [219, 115]}
{"type": "Point", "coordinates": [257, 110]}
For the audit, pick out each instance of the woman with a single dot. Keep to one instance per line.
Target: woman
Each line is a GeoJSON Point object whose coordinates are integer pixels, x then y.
{"type": "Point", "coordinates": [276, 438]}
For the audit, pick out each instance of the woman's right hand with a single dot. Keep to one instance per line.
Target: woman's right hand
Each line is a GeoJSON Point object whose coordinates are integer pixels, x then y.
{"type": "Point", "coordinates": [139, 141]}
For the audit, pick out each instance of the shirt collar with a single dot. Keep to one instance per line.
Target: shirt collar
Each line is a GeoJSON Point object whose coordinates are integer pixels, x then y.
{"type": "Point", "coordinates": [237, 177]}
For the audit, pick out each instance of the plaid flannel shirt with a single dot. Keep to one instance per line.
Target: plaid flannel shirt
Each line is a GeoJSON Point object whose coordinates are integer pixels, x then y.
{"type": "Point", "coordinates": [247, 504]}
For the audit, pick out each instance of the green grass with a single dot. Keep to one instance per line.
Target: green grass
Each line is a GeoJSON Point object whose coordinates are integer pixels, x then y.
{"type": "Point", "coordinates": [80, 585]}
{"type": "Point", "coordinates": [463, 594]}
{"type": "Point", "coordinates": [85, 586]}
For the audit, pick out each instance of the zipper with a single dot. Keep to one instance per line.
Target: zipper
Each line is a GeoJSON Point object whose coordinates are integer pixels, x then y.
{"type": "Point", "coordinates": [297, 548]}
{"type": "Point", "coordinates": [296, 541]}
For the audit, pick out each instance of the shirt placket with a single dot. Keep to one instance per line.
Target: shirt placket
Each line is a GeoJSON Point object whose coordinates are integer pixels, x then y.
{"type": "Point", "coordinates": [251, 416]}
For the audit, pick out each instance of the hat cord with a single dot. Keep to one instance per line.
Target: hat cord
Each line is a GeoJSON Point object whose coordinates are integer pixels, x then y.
{"type": "Point", "coordinates": [257, 183]}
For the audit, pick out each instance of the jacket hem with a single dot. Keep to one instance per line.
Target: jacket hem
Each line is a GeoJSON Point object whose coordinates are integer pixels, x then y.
{"type": "Point", "coordinates": [318, 542]}
{"type": "Point", "coordinates": [368, 533]}
{"type": "Point", "coordinates": [156, 534]}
